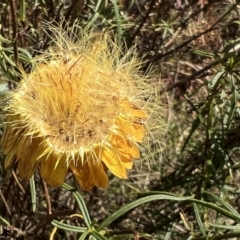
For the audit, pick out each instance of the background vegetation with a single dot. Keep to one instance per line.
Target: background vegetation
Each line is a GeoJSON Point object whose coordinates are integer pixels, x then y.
{"type": "Point", "coordinates": [191, 190]}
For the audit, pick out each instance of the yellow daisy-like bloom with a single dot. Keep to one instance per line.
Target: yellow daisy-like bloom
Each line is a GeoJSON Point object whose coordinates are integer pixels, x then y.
{"type": "Point", "coordinates": [83, 109]}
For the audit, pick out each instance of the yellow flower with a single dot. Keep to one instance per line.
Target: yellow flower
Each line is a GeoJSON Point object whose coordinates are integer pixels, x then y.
{"type": "Point", "coordinates": [83, 109]}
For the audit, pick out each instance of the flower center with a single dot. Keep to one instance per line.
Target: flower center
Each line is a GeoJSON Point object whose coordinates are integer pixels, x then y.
{"type": "Point", "coordinates": [72, 106]}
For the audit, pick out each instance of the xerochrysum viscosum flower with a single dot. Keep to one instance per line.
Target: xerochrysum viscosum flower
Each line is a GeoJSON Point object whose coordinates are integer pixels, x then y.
{"type": "Point", "coordinates": [84, 108]}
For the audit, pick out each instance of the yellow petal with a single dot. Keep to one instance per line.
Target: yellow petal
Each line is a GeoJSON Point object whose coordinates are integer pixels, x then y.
{"type": "Point", "coordinates": [129, 109]}
{"type": "Point", "coordinates": [132, 130]}
{"type": "Point", "coordinates": [128, 165]}
{"type": "Point", "coordinates": [112, 160]}
{"type": "Point", "coordinates": [126, 160]}
{"type": "Point", "coordinates": [99, 177]}
{"type": "Point", "coordinates": [26, 157]}
{"type": "Point", "coordinates": [124, 145]}
{"type": "Point", "coordinates": [54, 169]}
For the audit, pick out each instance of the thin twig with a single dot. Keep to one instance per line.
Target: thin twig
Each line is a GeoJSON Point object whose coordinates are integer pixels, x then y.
{"type": "Point", "coordinates": [49, 206]}
{"type": "Point", "coordinates": [5, 203]}
{"type": "Point", "coordinates": [192, 77]}
{"type": "Point", "coordinates": [17, 181]}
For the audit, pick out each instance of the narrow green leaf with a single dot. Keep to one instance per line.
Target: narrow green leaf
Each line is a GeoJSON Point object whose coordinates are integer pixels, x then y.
{"type": "Point", "coordinates": [4, 40]}
{"type": "Point", "coordinates": [22, 10]}
{"type": "Point", "coordinates": [84, 235]}
{"type": "Point", "coordinates": [130, 236]}
{"type": "Point", "coordinates": [226, 205]}
{"type": "Point", "coordinates": [202, 53]}
{"type": "Point", "coordinates": [68, 227]}
{"type": "Point", "coordinates": [216, 208]}
{"type": "Point", "coordinates": [199, 220]}
{"type": "Point", "coordinates": [33, 193]}
{"type": "Point", "coordinates": [92, 21]}
{"type": "Point", "coordinates": [214, 83]}
{"type": "Point", "coordinates": [80, 203]}
{"type": "Point", "coordinates": [3, 64]}
{"type": "Point", "coordinates": [227, 236]}
{"type": "Point", "coordinates": [195, 125]}
{"type": "Point", "coordinates": [4, 220]}
{"type": "Point", "coordinates": [136, 203]}
{"type": "Point", "coordinates": [98, 236]}
{"type": "Point", "coordinates": [24, 54]}
{"type": "Point", "coordinates": [119, 24]}
{"type": "Point", "coordinates": [9, 60]}
{"type": "Point", "coordinates": [236, 228]}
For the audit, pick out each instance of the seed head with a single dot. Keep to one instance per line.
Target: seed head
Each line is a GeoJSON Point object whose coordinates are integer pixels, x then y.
{"type": "Point", "coordinates": [85, 107]}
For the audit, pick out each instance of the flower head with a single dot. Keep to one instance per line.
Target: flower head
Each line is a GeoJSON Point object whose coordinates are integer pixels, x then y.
{"type": "Point", "coordinates": [84, 108]}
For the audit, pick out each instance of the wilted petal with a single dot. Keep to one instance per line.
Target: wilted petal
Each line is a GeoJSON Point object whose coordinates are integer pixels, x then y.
{"type": "Point", "coordinates": [90, 174]}
{"type": "Point", "coordinates": [53, 169]}
{"type": "Point", "coordinates": [10, 157]}
{"type": "Point", "coordinates": [26, 156]}
{"type": "Point", "coordinates": [11, 133]}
